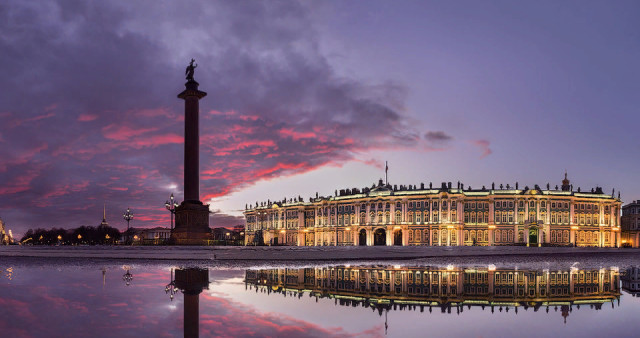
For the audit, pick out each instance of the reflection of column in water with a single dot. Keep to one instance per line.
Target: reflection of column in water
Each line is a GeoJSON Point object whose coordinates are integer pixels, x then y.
{"type": "Point", "coordinates": [191, 282]}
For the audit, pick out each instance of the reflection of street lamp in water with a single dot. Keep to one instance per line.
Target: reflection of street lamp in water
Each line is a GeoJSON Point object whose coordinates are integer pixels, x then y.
{"type": "Point", "coordinates": [171, 288]}
{"type": "Point", "coordinates": [127, 277]}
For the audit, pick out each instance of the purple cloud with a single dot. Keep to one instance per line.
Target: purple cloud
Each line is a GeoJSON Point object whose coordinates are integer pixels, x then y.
{"type": "Point", "coordinates": [90, 100]}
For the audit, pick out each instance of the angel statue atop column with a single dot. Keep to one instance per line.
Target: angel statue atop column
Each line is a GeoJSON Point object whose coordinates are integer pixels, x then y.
{"type": "Point", "coordinates": [189, 71]}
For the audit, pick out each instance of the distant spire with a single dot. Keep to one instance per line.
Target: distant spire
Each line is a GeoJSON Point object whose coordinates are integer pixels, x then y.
{"type": "Point", "coordinates": [104, 215]}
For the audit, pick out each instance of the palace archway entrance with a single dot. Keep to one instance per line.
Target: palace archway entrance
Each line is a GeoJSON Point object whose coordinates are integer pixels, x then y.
{"type": "Point", "coordinates": [362, 237]}
{"type": "Point", "coordinates": [379, 237]}
{"type": "Point", "coordinates": [397, 237]}
{"type": "Point", "coordinates": [533, 236]}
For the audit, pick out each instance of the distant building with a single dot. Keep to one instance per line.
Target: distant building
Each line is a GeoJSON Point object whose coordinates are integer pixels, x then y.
{"type": "Point", "coordinates": [149, 236]}
{"type": "Point", "coordinates": [157, 235]}
{"type": "Point", "coordinates": [224, 236]}
{"type": "Point", "coordinates": [4, 236]}
{"type": "Point", "coordinates": [631, 224]}
{"type": "Point", "coordinates": [441, 216]}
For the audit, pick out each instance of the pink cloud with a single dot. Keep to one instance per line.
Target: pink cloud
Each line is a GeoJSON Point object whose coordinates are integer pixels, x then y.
{"type": "Point", "coordinates": [484, 147]}
{"type": "Point", "coordinates": [288, 132]}
{"type": "Point", "coordinates": [123, 132]}
{"type": "Point", "coordinates": [87, 117]}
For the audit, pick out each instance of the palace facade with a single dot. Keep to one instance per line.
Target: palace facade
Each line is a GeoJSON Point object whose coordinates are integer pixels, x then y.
{"type": "Point", "coordinates": [385, 288]}
{"type": "Point", "coordinates": [444, 216]}
{"type": "Point", "coordinates": [631, 224]}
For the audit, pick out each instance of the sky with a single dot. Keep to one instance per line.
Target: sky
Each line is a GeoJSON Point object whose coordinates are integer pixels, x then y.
{"type": "Point", "coordinates": [307, 97]}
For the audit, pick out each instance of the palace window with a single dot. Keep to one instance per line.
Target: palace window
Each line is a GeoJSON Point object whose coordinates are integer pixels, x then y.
{"type": "Point", "coordinates": [435, 205]}
{"type": "Point", "coordinates": [419, 204]}
{"type": "Point", "coordinates": [543, 204]}
{"type": "Point", "coordinates": [398, 217]}
{"type": "Point", "coordinates": [466, 217]}
{"type": "Point", "coordinates": [435, 217]}
{"type": "Point", "coordinates": [504, 217]}
{"type": "Point", "coordinates": [511, 204]}
{"type": "Point", "coordinates": [510, 216]}
{"type": "Point", "coordinates": [410, 204]}
{"type": "Point", "coordinates": [411, 217]}
{"type": "Point", "coordinates": [398, 205]}
{"type": "Point", "coordinates": [418, 217]}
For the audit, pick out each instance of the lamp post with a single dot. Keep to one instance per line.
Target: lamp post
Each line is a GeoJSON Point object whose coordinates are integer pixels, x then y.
{"type": "Point", "coordinates": [128, 216]}
{"type": "Point", "coordinates": [171, 206]}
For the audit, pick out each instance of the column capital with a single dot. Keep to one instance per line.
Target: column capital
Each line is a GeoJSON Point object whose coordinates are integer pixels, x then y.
{"type": "Point", "coordinates": [192, 90]}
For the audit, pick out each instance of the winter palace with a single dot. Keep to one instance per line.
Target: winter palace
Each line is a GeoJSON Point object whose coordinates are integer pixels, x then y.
{"type": "Point", "coordinates": [440, 216]}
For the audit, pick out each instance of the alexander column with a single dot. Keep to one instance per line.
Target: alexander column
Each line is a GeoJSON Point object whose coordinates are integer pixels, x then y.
{"type": "Point", "coordinates": [192, 216]}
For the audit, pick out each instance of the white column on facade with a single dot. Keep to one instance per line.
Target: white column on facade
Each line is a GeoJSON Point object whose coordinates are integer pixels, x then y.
{"type": "Point", "coordinates": [491, 213]}
{"type": "Point", "coordinates": [405, 236]}
{"type": "Point", "coordinates": [392, 212]}
{"type": "Point", "coordinates": [516, 222]}
{"type": "Point", "coordinates": [404, 211]}
{"type": "Point", "coordinates": [571, 212]}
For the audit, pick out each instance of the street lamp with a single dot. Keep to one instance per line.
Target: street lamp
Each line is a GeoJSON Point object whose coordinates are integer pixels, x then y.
{"type": "Point", "coordinates": [171, 206]}
{"type": "Point", "coordinates": [128, 216]}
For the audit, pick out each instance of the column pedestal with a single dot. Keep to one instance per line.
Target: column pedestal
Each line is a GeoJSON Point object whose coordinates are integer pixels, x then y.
{"type": "Point", "coordinates": [192, 224]}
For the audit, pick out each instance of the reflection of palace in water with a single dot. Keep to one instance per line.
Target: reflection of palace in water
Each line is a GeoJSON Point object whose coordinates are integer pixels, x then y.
{"type": "Point", "coordinates": [449, 288]}
{"type": "Point", "coordinates": [631, 281]}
